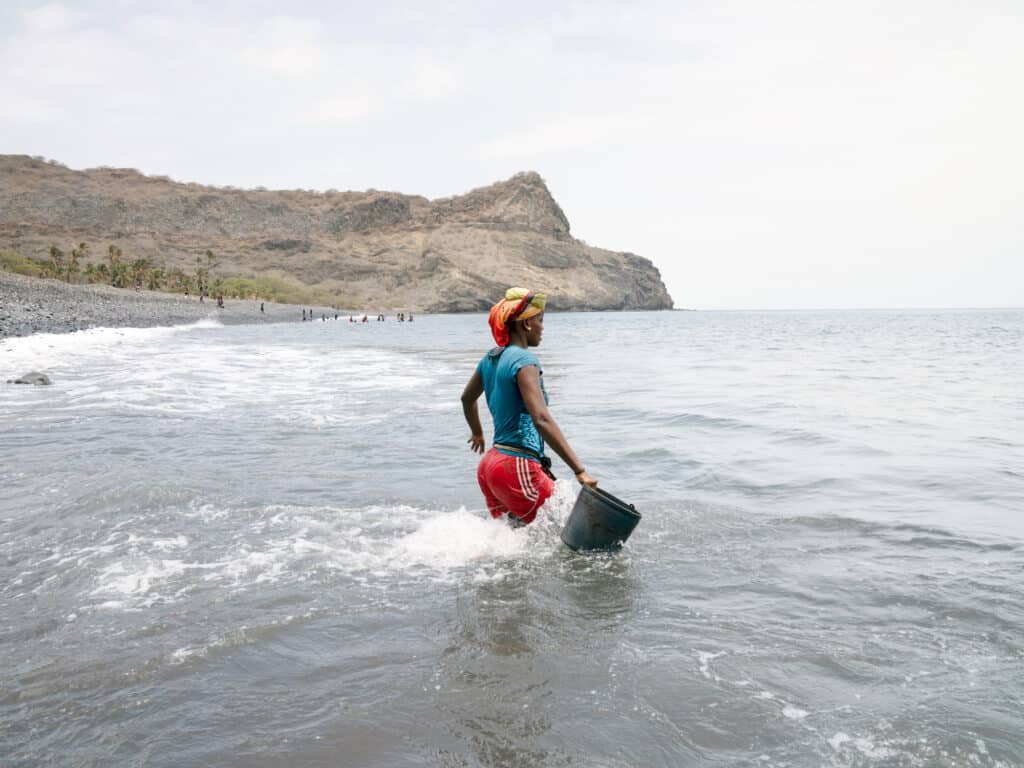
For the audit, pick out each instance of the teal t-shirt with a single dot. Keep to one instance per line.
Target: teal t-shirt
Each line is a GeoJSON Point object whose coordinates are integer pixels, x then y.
{"type": "Point", "coordinates": [512, 422]}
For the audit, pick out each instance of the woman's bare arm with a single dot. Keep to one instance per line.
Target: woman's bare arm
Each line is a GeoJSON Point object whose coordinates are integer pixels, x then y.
{"type": "Point", "coordinates": [528, 380]}
{"type": "Point", "coordinates": [474, 388]}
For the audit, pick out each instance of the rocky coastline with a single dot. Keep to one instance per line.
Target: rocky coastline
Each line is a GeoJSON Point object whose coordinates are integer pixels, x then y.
{"type": "Point", "coordinates": [352, 249]}
{"type": "Point", "coordinates": [31, 305]}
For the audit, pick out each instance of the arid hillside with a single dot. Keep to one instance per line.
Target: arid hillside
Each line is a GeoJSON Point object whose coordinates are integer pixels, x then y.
{"type": "Point", "coordinates": [374, 249]}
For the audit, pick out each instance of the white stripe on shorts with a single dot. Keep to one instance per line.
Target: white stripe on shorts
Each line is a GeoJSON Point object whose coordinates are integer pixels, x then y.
{"type": "Point", "coordinates": [525, 481]}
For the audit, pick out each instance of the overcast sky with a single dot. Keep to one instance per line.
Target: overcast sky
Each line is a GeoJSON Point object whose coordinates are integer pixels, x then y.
{"type": "Point", "coordinates": [762, 153]}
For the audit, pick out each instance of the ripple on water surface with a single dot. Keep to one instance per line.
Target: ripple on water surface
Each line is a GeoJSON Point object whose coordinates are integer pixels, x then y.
{"type": "Point", "coordinates": [264, 546]}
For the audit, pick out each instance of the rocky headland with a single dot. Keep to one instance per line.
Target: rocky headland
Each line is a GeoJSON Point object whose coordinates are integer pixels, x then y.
{"type": "Point", "coordinates": [359, 249]}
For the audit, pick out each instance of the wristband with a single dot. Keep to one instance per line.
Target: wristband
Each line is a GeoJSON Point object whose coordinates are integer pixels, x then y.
{"type": "Point", "coordinates": [580, 471]}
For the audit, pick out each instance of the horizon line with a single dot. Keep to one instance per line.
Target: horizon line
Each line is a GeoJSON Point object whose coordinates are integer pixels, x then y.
{"type": "Point", "coordinates": [846, 309]}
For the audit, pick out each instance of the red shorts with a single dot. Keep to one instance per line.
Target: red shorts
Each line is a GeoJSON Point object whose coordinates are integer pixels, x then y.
{"type": "Point", "coordinates": [513, 484]}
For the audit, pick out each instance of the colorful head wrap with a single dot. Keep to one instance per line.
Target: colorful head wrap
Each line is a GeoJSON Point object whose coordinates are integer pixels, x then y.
{"type": "Point", "coordinates": [518, 304]}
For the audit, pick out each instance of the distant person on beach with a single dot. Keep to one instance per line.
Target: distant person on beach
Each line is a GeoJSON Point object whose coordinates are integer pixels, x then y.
{"type": "Point", "coordinates": [410, 317]}
{"type": "Point", "coordinates": [515, 475]}
{"type": "Point", "coordinates": [261, 307]}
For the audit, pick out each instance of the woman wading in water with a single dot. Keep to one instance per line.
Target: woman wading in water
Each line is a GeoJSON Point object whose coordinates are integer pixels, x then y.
{"type": "Point", "coordinates": [514, 474]}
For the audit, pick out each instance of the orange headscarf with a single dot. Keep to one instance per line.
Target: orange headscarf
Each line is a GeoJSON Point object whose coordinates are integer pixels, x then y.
{"type": "Point", "coordinates": [518, 304]}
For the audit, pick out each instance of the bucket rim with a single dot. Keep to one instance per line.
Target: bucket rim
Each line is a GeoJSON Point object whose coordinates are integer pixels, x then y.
{"type": "Point", "coordinates": [618, 503]}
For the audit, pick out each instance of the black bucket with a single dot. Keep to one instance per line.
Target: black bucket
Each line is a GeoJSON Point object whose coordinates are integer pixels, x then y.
{"type": "Point", "coordinates": [599, 521]}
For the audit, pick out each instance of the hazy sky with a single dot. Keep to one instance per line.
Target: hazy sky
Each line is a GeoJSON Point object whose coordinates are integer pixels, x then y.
{"type": "Point", "coordinates": [762, 153]}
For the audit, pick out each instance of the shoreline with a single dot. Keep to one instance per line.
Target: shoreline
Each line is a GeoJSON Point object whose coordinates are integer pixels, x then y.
{"type": "Point", "coordinates": [30, 305]}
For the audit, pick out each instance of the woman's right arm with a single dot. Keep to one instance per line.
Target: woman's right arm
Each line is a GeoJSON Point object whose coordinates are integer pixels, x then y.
{"type": "Point", "coordinates": [474, 388]}
{"type": "Point", "coordinates": [528, 380]}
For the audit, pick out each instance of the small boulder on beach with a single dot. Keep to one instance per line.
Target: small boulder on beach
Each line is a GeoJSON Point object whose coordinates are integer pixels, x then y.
{"type": "Point", "coordinates": [32, 377]}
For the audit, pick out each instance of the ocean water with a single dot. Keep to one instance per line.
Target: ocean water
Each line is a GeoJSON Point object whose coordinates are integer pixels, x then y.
{"type": "Point", "coordinates": [264, 546]}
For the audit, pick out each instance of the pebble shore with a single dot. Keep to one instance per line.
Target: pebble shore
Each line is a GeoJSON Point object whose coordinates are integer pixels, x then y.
{"type": "Point", "coordinates": [32, 305]}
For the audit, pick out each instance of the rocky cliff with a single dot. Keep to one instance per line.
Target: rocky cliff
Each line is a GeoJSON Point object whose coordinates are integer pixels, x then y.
{"type": "Point", "coordinates": [369, 249]}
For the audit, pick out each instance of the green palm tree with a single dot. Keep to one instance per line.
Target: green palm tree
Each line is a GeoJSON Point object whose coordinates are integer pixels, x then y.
{"type": "Point", "coordinates": [113, 256]}
{"type": "Point", "coordinates": [78, 255]}
{"type": "Point", "coordinates": [119, 275]}
{"type": "Point", "coordinates": [202, 275]}
{"type": "Point", "coordinates": [156, 279]}
{"type": "Point", "coordinates": [56, 261]}
{"type": "Point", "coordinates": [139, 270]}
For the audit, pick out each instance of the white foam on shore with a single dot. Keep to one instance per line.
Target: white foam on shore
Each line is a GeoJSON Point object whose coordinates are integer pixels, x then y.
{"type": "Point", "coordinates": [58, 350]}
{"type": "Point", "coordinates": [184, 371]}
{"type": "Point", "coordinates": [285, 544]}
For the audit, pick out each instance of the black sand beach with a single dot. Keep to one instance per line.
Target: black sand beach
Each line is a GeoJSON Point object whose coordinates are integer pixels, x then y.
{"type": "Point", "coordinates": [32, 305]}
